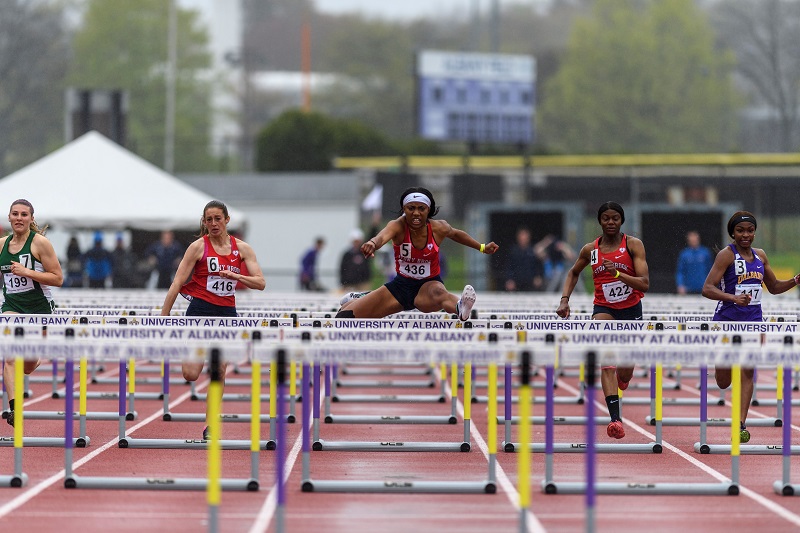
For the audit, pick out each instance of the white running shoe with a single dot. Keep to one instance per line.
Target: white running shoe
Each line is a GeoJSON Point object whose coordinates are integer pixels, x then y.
{"type": "Point", "coordinates": [350, 296]}
{"type": "Point", "coordinates": [466, 302]}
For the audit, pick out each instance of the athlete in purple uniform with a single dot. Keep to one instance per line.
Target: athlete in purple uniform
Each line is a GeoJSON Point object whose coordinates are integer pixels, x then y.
{"type": "Point", "coordinates": [735, 280]}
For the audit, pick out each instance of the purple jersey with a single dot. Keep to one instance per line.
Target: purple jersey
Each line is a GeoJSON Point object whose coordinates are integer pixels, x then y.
{"type": "Point", "coordinates": [742, 277]}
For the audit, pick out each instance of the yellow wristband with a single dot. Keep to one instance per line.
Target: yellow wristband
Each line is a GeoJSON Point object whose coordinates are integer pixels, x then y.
{"type": "Point", "coordinates": [483, 248]}
{"type": "Point", "coordinates": [617, 274]}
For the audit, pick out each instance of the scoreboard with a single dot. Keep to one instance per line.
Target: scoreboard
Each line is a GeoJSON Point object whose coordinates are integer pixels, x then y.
{"type": "Point", "coordinates": [475, 97]}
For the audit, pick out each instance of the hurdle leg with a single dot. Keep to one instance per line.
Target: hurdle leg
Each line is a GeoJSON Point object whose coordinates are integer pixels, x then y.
{"type": "Point", "coordinates": [492, 424]}
{"type": "Point", "coordinates": [69, 482]}
{"type": "Point", "coordinates": [507, 408]}
{"type": "Point", "coordinates": [467, 402]}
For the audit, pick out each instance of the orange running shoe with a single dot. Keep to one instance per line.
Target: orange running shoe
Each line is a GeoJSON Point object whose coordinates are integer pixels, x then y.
{"type": "Point", "coordinates": [615, 430]}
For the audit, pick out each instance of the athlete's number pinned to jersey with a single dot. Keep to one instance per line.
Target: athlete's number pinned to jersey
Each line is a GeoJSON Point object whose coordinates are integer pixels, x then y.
{"type": "Point", "coordinates": [405, 250]}
{"type": "Point", "coordinates": [740, 267]}
{"type": "Point", "coordinates": [595, 257]}
{"type": "Point", "coordinates": [25, 260]}
{"type": "Point", "coordinates": [212, 264]}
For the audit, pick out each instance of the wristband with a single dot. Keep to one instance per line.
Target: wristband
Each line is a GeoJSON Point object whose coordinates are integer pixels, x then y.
{"type": "Point", "coordinates": [565, 297]}
{"type": "Point", "coordinates": [373, 243]}
{"type": "Point", "coordinates": [483, 248]}
{"type": "Point", "coordinates": [617, 274]}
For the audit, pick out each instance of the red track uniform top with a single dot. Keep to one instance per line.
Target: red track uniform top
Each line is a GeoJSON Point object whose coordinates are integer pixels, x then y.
{"type": "Point", "coordinates": [206, 284]}
{"type": "Point", "coordinates": [410, 262]}
{"type": "Point", "coordinates": [608, 290]}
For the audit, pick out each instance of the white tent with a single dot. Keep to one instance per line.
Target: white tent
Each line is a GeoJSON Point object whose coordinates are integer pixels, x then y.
{"type": "Point", "coordinates": [92, 183]}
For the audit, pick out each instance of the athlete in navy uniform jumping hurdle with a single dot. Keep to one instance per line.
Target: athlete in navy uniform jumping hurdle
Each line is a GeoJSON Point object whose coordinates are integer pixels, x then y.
{"type": "Point", "coordinates": [216, 263]}
{"type": "Point", "coordinates": [735, 280]}
{"type": "Point", "coordinates": [416, 239]}
{"type": "Point", "coordinates": [621, 277]}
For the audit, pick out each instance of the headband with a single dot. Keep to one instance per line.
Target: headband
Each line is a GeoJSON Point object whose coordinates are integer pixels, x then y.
{"type": "Point", "coordinates": [740, 218]}
{"type": "Point", "coordinates": [417, 197]}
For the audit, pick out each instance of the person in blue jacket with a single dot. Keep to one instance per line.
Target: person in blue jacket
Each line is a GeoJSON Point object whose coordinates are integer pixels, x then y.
{"type": "Point", "coordinates": [694, 263]}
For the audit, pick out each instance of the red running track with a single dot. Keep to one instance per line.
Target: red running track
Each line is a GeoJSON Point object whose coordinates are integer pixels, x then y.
{"type": "Point", "coordinates": [44, 504]}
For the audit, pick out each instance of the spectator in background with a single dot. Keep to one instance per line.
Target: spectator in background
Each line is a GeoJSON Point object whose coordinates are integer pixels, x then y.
{"type": "Point", "coordinates": [123, 263]}
{"type": "Point", "coordinates": [74, 264]}
{"type": "Point", "coordinates": [556, 256]}
{"type": "Point", "coordinates": [694, 264]}
{"type": "Point", "coordinates": [524, 271]}
{"type": "Point", "coordinates": [98, 263]}
{"type": "Point", "coordinates": [164, 255]}
{"type": "Point", "coordinates": [308, 267]}
{"type": "Point", "coordinates": [355, 273]}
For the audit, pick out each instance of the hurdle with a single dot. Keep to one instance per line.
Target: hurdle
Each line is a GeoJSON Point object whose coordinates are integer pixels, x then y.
{"type": "Point", "coordinates": [73, 481]}
{"type": "Point", "coordinates": [616, 356]}
{"type": "Point", "coordinates": [18, 478]}
{"type": "Point", "coordinates": [786, 351]}
{"type": "Point", "coordinates": [784, 486]}
{"type": "Point", "coordinates": [322, 355]}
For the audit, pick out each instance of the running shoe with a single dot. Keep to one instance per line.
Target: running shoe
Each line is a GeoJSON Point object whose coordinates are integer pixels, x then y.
{"type": "Point", "coordinates": [464, 305]}
{"type": "Point", "coordinates": [615, 429]}
{"type": "Point", "coordinates": [350, 296]}
{"type": "Point", "coordinates": [206, 433]}
{"type": "Point", "coordinates": [623, 385]}
{"type": "Point", "coordinates": [744, 436]}
{"type": "Point", "coordinates": [10, 418]}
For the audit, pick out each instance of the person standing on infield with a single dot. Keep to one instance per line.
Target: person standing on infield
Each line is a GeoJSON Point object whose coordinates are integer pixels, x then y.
{"type": "Point", "coordinates": [621, 277]}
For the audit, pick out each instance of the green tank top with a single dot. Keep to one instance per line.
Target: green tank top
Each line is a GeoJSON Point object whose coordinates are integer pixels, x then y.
{"type": "Point", "coordinates": [22, 294]}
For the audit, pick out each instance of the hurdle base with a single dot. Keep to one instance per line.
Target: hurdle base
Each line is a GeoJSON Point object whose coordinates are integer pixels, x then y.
{"type": "Point", "coordinates": [191, 444]}
{"type": "Point", "coordinates": [714, 422]}
{"type": "Point", "coordinates": [407, 384]}
{"type": "Point", "coordinates": [388, 398]}
{"type": "Point", "coordinates": [647, 489]}
{"type": "Point", "coordinates": [363, 446]}
{"type": "Point", "coordinates": [201, 417]}
{"type": "Point", "coordinates": [378, 419]}
{"type": "Point", "coordinates": [59, 415]}
{"type": "Point", "coordinates": [786, 489]}
{"type": "Point", "coordinates": [557, 420]}
{"type": "Point", "coordinates": [44, 442]}
{"type": "Point", "coordinates": [419, 487]}
{"type": "Point", "coordinates": [141, 483]}
{"type": "Point", "coordinates": [744, 449]}
{"type": "Point", "coordinates": [580, 447]}
{"type": "Point", "coordinates": [14, 481]}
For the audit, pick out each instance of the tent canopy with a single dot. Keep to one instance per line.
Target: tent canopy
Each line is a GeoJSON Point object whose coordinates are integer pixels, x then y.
{"type": "Point", "coordinates": [92, 183]}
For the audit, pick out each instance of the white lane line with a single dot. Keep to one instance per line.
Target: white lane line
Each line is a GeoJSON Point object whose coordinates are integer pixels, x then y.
{"type": "Point", "coordinates": [35, 490]}
{"type": "Point", "coordinates": [532, 521]}
{"type": "Point", "coordinates": [270, 504]}
{"type": "Point", "coordinates": [764, 502]}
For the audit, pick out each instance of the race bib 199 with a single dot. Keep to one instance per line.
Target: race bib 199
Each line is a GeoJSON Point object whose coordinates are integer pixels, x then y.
{"type": "Point", "coordinates": [16, 284]}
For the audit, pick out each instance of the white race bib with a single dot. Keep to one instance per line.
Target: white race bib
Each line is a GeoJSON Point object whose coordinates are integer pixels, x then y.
{"type": "Point", "coordinates": [616, 291]}
{"type": "Point", "coordinates": [17, 284]}
{"type": "Point", "coordinates": [415, 270]}
{"type": "Point", "coordinates": [753, 290]}
{"type": "Point", "coordinates": [221, 286]}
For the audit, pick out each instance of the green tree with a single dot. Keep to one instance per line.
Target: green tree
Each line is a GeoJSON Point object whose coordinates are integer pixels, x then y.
{"type": "Point", "coordinates": [297, 140]}
{"type": "Point", "coordinates": [641, 76]}
{"type": "Point", "coordinates": [34, 52]}
{"type": "Point", "coordinates": [123, 45]}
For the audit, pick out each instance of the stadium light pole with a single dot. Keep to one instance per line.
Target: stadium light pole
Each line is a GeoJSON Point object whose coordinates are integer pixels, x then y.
{"type": "Point", "coordinates": [169, 112]}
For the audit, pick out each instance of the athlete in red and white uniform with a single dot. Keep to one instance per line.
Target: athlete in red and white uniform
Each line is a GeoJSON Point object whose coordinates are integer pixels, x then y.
{"type": "Point", "coordinates": [216, 262]}
{"type": "Point", "coordinates": [609, 290]}
{"type": "Point", "coordinates": [416, 239]}
{"type": "Point", "coordinates": [207, 282]}
{"type": "Point", "coordinates": [621, 277]}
